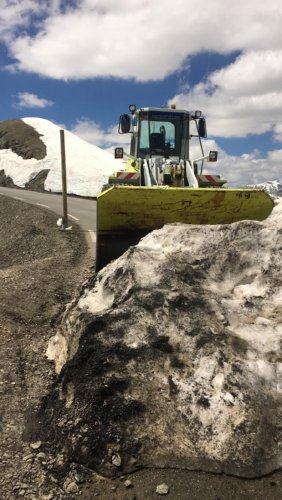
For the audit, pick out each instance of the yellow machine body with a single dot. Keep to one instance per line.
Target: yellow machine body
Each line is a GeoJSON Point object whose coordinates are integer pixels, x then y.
{"type": "Point", "coordinates": [127, 213]}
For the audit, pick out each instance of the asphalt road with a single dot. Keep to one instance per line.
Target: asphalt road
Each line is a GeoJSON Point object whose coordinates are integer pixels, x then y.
{"type": "Point", "coordinates": [80, 210]}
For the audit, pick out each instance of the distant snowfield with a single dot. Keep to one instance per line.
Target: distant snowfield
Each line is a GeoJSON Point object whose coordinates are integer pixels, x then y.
{"type": "Point", "coordinates": [88, 166]}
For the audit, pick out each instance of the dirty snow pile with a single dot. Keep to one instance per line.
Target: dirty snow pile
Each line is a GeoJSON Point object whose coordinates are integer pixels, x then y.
{"type": "Point", "coordinates": [174, 355]}
{"type": "Point", "coordinates": [88, 166]}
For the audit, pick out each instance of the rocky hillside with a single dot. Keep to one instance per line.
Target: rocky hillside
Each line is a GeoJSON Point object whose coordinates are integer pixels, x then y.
{"type": "Point", "coordinates": [22, 139]}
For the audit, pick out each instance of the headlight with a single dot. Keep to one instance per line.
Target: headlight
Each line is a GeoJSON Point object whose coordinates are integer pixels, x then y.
{"type": "Point", "coordinates": [132, 108]}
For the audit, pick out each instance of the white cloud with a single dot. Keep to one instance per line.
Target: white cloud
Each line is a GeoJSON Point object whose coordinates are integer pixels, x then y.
{"type": "Point", "coordinates": [256, 72]}
{"type": "Point", "coordinates": [18, 14]}
{"type": "Point", "coordinates": [92, 132]}
{"type": "Point", "coordinates": [278, 133]}
{"type": "Point", "coordinates": [242, 98]}
{"type": "Point", "coordinates": [27, 100]}
{"type": "Point", "coordinates": [141, 39]}
{"type": "Point", "coordinates": [248, 168]}
{"type": "Point", "coordinates": [244, 169]}
{"type": "Point", "coordinates": [146, 40]}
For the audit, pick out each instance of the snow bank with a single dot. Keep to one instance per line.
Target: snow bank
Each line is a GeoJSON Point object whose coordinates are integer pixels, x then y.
{"type": "Point", "coordinates": [177, 357]}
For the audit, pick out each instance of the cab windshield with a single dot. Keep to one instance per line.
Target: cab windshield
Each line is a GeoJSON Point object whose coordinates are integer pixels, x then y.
{"type": "Point", "coordinates": [160, 134]}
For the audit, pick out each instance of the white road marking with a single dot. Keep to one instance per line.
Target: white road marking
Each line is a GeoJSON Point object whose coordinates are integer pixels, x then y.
{"type": "Point", "coordinates": [18, 198]}
{"type": "Point", "coordinates": [73, 217]}
{"type": "Point", "coordinates": [92, 236]}
{"type": "Point", "coordinates": [41, 205]}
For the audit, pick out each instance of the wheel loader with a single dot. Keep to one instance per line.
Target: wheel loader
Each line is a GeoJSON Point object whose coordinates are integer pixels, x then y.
{"type": "Point", "coordinates": [163, 182]}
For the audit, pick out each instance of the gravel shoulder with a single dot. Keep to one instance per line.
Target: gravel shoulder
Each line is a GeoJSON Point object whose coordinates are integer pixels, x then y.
{"type": "Point", "coordinates": [41, 270]}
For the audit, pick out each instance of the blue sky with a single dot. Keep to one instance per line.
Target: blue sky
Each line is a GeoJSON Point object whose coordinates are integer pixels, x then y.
{"type": "Point", "coordinates": [80, 63]}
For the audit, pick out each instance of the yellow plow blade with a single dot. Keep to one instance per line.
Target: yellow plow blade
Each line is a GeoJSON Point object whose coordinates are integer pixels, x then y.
{"type": "Point", "coordinates": [127, 213]}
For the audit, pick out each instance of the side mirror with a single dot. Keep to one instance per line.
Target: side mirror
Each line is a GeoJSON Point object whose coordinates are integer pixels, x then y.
{"type": "Point", "coordinates": [124, 124]}
{"type": "Point", "coordinates": [118, 153]}
{"type": "Point", "coordinates": [202, 129]}
{"type": "Point", "coordinates": [212, 156]}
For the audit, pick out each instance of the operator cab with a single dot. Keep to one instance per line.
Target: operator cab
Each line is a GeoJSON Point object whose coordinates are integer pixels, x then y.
{"type": "Point", "coordinates": [162, 148]}
{"type": "Point", "coordinates": [158, 132]}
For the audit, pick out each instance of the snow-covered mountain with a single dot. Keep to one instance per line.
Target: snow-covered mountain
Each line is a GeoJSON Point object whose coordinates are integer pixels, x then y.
{"type": "Point", "coordinates": [273, 188]}
{"type": "Point", "coordinates": [88, 166]}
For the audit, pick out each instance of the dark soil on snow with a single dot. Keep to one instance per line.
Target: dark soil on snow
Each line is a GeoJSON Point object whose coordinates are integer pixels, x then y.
{"type": "Point", "coordinates": [22, 139]}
